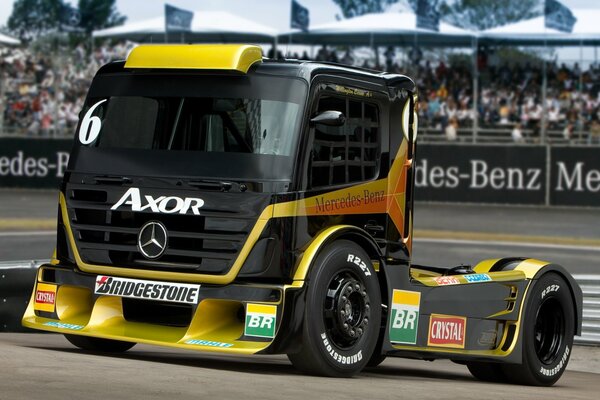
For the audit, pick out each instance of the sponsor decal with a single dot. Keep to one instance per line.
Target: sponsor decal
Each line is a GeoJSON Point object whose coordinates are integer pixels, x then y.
{"type": "Point", "coordinates": [405, 316]}
{"type": "Point", "coordinates": [148, 290]}
{"type": "Point", "coordinates": [260, 320]}
{"type": "Point", "coordinates": [62, 325]}
{"type": "Point", "coordinates": [559, 366]}
{"type": "Point", "coordinates": [348, 201]}
{"type": "Point", "coordinates": [487, 338]}
{"type": "Point", "coordinates": [45, 296]}
{"type": "Point", "coordinates": [353, 91]}
{"type": "Point", "coordinates": [160, 204]}
{"type": "Point", "coordinates": [209, 343]}
{"type": "Point", "coordinates": [447, 331]}
{"type": "Point", "coordinates": [353, 359]}
{"type": "Point", "coordinates": [474, 278]}
{"type": "Point", "coordinates": [549, 289]}
{"type": "Point", "coordinates": [446, 280]}
{"type": "Point", "coordinates": [356, 260]}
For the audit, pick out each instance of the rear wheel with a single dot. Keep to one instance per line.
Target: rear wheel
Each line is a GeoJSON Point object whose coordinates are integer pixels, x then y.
{"type": "Point", "coordinates": [548, 329]}
{"type": "Point", "coordinates": [342, 314]}
{"type": "Point", "coordinates": [97, 344]}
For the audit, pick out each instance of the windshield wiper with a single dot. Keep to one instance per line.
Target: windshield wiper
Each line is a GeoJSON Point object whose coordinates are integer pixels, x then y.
{"type": "Point", "coordinates": [174, 130]}
{"type": "Point", "coordinates": [222, 186]}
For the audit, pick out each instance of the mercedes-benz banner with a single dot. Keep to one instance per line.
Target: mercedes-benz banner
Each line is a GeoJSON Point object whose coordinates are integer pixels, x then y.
{"type": "Point", "coordinates": [33, 163]}
{"type": "Point", "coordinates": [481, 173]}
{"type": "Point", "coordinates": [445, 172]}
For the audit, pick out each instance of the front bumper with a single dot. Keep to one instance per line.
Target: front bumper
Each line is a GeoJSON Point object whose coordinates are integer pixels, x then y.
{"type": "Point", "coordinates": [64, 301]}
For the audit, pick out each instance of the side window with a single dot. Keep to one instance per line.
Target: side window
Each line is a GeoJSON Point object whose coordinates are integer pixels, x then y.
{"type": "Point", "coordinates": [347, 153]}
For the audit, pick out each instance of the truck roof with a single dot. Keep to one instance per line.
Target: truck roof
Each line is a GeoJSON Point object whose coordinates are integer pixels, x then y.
{"type": "Point", "coordinates": [243, 59]}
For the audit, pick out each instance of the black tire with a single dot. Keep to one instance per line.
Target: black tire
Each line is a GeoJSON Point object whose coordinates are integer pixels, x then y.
{"type": "Point", "coordinates": [97, 344]}
{"type": "Point", "coordinates": [342, 314]}
{"type": "Point", "coordinates": [487, 372]}
{"type": "Point", "coordinates": [548, 329]}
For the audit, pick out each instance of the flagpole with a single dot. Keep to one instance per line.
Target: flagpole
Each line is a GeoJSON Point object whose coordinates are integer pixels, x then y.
{"type": "Point", "coordinates": [580, 86]}
{"type": "Point", "coordinates": [475, 89]}
{"type": "Point", "coordinates": [543, 132]}
{"type": "Point", "coordinates": [166, 26]}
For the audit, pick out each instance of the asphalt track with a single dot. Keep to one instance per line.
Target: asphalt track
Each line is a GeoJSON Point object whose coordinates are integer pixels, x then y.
{"type": "Point", "coordinates": [41, 366]}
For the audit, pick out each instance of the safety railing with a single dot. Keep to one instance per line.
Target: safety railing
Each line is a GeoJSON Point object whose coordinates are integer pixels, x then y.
{"type": "Point", "coordinates": [590, 332]}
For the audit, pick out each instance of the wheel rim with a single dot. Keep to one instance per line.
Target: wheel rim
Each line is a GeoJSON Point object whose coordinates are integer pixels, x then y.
{"type": "Point", "coordinates": [347, 309]}
{"type": "Point", "coordinates": [549, 331]}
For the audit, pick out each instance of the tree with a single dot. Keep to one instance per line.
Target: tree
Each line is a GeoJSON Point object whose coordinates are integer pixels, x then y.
{"type": "Point", "coordinates": [32, 18]}
{"type": "Point", "coordinates": [486, 14]}
{"type": "Point", "coordinates": [99, 14]}
{"type": "Point", "coordinates": [354, 8]}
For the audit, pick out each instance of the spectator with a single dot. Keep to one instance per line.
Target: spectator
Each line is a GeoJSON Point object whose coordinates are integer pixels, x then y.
{"type": "Point", "coordinates": [517, 134]}
{"type": "Point", "coordinates": [451, 130]}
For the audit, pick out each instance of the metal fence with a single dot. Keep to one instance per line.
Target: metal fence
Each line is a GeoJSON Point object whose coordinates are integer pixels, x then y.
{"type": "Point", "coordinates": [590, 333]}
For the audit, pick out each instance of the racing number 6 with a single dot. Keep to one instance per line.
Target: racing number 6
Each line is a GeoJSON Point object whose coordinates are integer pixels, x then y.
{"type": "Point", "coordinates": [90, 123]}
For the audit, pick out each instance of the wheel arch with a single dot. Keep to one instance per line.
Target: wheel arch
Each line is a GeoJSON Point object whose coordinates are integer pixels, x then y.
{"type": "Point", "coordinates": [329, 235]}
{"type": "Point", "coordinates": [534, 270]}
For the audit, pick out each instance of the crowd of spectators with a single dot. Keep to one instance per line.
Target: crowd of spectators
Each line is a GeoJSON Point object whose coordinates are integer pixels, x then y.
{"type": "Point", "coordinates": [510, 96]}
{"type": "Point", "coordinates": [44, 94]}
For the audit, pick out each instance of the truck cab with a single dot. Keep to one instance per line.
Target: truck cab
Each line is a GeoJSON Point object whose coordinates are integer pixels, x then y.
{"type": "Point", "coordinates": [219, 201]}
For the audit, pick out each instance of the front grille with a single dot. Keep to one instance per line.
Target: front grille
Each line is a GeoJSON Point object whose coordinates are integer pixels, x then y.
{"type": "Point", "coordinates": [208, 243]}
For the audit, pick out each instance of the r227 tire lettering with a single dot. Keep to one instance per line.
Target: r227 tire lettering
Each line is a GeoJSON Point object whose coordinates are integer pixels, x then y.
{"type": "Point", "coordinates": [342, 315]}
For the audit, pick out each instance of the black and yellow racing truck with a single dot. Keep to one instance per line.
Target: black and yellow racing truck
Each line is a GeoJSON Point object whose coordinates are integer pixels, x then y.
{"type": "Point", "coordinates": [219, 201]}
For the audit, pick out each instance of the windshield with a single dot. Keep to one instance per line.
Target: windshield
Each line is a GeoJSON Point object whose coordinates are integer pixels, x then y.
{"type": "Point", "coordinates": [240, 119]}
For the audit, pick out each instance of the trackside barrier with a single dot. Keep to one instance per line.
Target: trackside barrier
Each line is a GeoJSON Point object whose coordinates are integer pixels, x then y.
{"type": "Point", "coordinates": [16, 283]}
{"type": "Point", "coordinates": [590, 332]}
{"type": "Point", "coordinates": [17, 277]}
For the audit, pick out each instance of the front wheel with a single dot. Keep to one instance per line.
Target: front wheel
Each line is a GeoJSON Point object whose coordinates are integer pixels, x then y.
{"type": "Point", "coordinates": [97, 344]}
{"type": "Point", "coordinates": [342, 313]}
{"type": "Point", "coordinates": [548, 329]}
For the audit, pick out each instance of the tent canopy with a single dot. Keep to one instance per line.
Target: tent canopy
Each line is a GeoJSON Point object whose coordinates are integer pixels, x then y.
{"type": "Point", "coordinates": [5, 39]}
{"type": "Point", "coordinates": [207, 26]}
{"type": "Point", "coordinates": [392, 28]}
{"type": "Point", "coordinates": [533, 32]}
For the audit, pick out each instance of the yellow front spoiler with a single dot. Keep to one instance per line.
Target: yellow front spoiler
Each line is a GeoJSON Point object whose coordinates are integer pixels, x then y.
{"type": "Point", "coordinates": [215, 326]}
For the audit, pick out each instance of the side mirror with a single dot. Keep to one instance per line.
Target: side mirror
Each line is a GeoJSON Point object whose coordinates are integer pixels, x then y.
{"type": "Point", "coordinates": [329, 118]}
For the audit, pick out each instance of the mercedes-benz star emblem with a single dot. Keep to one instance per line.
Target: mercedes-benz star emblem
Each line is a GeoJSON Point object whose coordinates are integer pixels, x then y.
{"type": "Point", "coordinates": [152, 239]}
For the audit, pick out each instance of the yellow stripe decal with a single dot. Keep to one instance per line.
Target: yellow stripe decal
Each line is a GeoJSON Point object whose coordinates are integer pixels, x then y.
{"type": "Point", "coordinates": [261, 309]}
{"type": "Point", "coordinates": [406, 297]}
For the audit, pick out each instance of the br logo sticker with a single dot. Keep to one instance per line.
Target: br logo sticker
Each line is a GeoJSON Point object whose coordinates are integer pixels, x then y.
{"type": "Point", "coordinates": [260, 320]}
{"type": "Point", "coordinates": [405, 316]}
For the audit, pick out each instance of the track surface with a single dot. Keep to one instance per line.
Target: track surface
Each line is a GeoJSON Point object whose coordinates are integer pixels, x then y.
{"type": "Point", "coordinates": [40, 366]}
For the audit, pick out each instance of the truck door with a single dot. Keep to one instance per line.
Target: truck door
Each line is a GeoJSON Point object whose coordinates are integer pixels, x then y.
{"type": "Point", "coordinates": [342, 159]}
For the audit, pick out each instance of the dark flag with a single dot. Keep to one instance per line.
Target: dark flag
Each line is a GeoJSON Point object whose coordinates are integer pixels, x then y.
{"type": "Point", "coordinates": [428, 17]}
{"type": "Point", "coordinates": [300, 17]}
{"type": "Point", "coordinates": [69, 18]}
{"type": "Point", "coordinates": [558, 16]}
{"type": "Point", "coordinates": [178, 20]}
